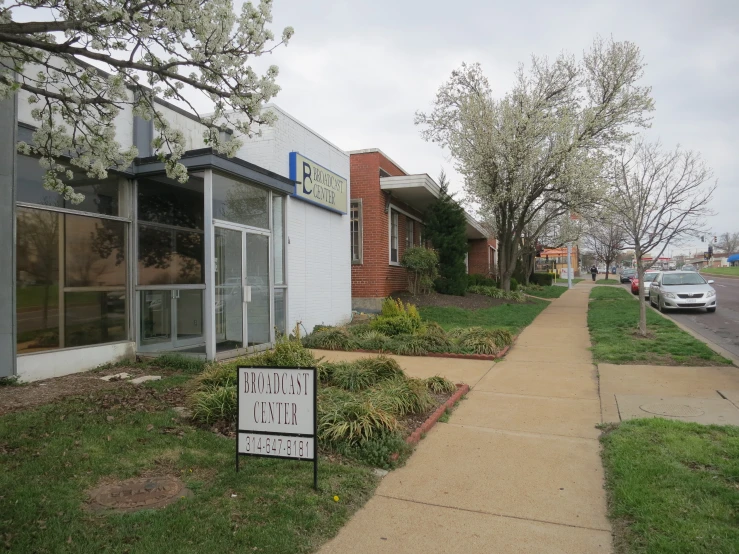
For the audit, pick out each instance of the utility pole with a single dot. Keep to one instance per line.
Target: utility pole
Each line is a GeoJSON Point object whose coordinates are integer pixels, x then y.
{"type": "Point", "coordinates": [569, 265]}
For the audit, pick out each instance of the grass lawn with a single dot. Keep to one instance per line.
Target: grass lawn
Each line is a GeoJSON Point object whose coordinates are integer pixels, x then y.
{"type": "Point", "coordinates": [513, 317]}
{"type": "Point", "coordinates": [731, 271]}
{"type": "Point", "coordinates": [51, 455]}
{"type": "Point", "coordinates": [613, 318]}
{"type": "Point", "coordinates": [574, 281]}
{"type": "Point", "coordinates": [608, 282]}
{"type": "Point", "coordinates": [547, 292]}
{"type": "Point", "coordinates": [673, 487]}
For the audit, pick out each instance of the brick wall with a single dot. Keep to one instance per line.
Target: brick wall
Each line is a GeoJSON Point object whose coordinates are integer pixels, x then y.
{"type": "Point", "coordinates": [375, 277]}
{"type": "Point", "coordinates": [479, 261]}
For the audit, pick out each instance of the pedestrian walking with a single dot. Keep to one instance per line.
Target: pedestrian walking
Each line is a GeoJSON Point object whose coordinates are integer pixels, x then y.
{"type": "Point", "coordinates": [593, 271]}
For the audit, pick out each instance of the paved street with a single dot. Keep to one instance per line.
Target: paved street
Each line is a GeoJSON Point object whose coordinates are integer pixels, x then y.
{"type": "Point", "coordinates": [722, 326]}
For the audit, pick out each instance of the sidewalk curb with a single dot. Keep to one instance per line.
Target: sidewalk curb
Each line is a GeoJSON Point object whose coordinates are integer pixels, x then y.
{"type": "Point", "coordinates": [715, 347]}
{"type": "Point", "coordinates": [426, 426]}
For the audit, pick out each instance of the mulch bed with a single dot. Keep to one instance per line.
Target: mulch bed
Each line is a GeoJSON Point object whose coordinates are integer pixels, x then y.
{"type": "Point", "coordinates": [469, 302]}
{"type": "Point", "coordinates": [38, 393]}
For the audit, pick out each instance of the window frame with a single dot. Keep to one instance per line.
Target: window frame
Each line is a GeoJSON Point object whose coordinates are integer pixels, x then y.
{"type": "Point", "coordinates": [393, 224]}
{"type": "Point", "coordinates": [360, 232]}
{"type": "Point", "coordinates": [125, 192]}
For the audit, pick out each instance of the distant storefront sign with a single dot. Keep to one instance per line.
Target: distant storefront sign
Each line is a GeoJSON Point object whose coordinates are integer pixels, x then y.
{"type": "Point", "coordinates": [318, 185]}
{"type": "Point", "coordinates": [277, 414]}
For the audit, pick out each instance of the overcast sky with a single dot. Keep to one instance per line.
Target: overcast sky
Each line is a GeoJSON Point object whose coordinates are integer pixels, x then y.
{"type": "Point", "coordinates": [357, 71]}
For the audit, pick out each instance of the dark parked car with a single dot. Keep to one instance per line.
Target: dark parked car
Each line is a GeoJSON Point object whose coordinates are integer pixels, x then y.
{"type": "Point", "coordinates": [627, 275]}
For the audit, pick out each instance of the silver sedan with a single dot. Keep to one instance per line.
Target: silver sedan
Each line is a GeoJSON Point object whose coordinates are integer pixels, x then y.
{"type": "Point", "coordinates": [682, 290]}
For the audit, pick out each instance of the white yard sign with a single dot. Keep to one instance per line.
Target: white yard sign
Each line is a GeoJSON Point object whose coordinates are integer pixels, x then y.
{"type": "Point", "coordinates": [277, 412]}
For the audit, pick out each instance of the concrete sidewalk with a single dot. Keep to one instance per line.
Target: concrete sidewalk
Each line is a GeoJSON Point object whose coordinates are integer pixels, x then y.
{"type": "Point", "coordinates": [517, 468]}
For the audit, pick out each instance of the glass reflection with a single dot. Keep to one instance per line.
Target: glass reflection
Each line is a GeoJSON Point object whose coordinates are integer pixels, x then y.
{"type": "Point", "coordinates": [240, 202]}
{"type": "Point", "coordinates": [94, 252]}
{"type": "Point", "coordinates": [37, 279]}
{"type": "Point", "coordinates": [94, 317]}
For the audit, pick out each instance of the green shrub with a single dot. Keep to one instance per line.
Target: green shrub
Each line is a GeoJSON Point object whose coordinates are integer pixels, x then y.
{"type": "Point", "coordinates": [396, 325]}
{"type": "Point", "coordinates": [542, 279]}
{"type": "Point", "coordinates": [401, 396]}
{"type": "Point", "coordinates": [377, 451]}
{"type": "Point", "coordinates": [514, 284]}
{"type": "Point", "coordinates": [320, 327]}
{"type": "Point", "coordinates": [287, 353]}
{"type": "Point", "coordinates": [352, 421]}
{"type": "Point", "coordinates": [477, 280]}
{"type": "Point", "coordinates": [358, 330]}
{"type": "Point", "coordinates": [437, 343]}
{"type": "Point", "coordinates": [353, 377]}
{"type": "Point", "coordinates": [431, 328]}
{"type": "Point", "coordinates": [188, 364]}
{"type": "Point", "coordinates": [392, 307]}
{"type": "Point", "coordinates": [409, 345]}
{"type": "Point", "coordinates": [215, 403]}
{"type": "Point", "coordinates": [422, 264]}
{"type": "Point", "coordinates": [334, 338]}
{"type": "Point", "coordinates": [439, 385]}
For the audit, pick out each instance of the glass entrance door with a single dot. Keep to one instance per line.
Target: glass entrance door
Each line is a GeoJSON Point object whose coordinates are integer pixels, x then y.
{"type": "Point", "coordinates": [257, 280]}
{"type": "Point", "coordinates": [229, 285]}
{"type": "Point", "coordinates": [242, 290]}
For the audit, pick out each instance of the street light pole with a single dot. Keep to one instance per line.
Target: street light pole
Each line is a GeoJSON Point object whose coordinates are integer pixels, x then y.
{"type": "Point", "coordinates": [569, 265]}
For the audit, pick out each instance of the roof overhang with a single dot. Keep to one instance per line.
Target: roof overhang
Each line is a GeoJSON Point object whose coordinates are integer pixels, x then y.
{"type": "Point", "coordinates": [418, 192]}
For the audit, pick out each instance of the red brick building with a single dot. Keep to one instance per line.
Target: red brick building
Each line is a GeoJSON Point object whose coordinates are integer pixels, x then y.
{"type": "Point", "coordinates": [387, 206]}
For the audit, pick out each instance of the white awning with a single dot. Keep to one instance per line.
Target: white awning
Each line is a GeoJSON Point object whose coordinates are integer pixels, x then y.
{"type": "Point", "coordinates": [418, 192]}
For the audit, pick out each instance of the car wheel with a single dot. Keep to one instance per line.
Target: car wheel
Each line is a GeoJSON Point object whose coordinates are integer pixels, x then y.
{"type": "Point", "coordinates": [660, 305]}
{"type": "Point", "coordinates": [711, 310]}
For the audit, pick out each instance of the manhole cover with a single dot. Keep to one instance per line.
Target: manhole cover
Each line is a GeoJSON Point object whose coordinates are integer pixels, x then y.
{"type": "Point", "coordinates": [674, 410]}
{"type": "Point", "coordinates": [138, 494]}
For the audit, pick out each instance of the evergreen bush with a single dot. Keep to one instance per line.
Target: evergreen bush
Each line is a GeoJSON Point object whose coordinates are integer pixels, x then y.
{"type": "Point", "coordinates": [422, 265]}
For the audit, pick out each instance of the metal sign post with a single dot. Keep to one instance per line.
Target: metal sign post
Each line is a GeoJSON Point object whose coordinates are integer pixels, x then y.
{"type": "Point", "coordinates": [276, 409]}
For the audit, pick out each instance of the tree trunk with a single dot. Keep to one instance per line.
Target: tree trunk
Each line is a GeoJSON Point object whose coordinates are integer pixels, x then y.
{"type": "Point", "coordinates": [642, 306]}
{"type": "Point", "coordinates": [507, 260]}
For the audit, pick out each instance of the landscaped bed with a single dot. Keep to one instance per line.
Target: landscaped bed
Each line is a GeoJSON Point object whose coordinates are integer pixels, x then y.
{"type": "Point", "coordinates": [400, 329]}
{"type": "Point", "coordinates": [613, 319]}
{"type": "Point", "coordinates": [673, 487]}
{"type": "Point", "coordinates": [53, 455]}
{"type": "Point", "coordinates": [543, 291]}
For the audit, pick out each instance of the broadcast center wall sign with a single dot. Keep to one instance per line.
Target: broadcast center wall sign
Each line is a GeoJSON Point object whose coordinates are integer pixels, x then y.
{"type": "Point", "coordinates": [318, 185]}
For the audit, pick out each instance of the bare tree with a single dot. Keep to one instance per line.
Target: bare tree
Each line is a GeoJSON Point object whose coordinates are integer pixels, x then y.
{"type": "Point", "coordinates": [604, 237]}
{"type": "Point", "coordinates": [729, 242]}
{"type": "Point", "coordinates": [659, 198]}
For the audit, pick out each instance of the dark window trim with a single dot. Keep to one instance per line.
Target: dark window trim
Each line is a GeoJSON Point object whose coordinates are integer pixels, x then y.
{"type": "Point", "coordinates": [360, 231]}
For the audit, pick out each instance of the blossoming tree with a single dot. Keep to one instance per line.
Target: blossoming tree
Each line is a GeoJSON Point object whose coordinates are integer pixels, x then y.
{"type": "Point", "coordinates": [82, 62]}
{"type": "Point", "coordinates": [541, 147]}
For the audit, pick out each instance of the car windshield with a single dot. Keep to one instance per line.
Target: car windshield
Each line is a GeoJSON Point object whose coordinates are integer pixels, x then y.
{"type": "Point", "coordinates": [683, 279]}
{"type": "Point", "coordinates": [650, 276]}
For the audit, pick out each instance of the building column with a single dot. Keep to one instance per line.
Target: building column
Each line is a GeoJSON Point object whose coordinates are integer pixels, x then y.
{"type": "Point", "coordinates": [209, 313]}
{"type": "Point", "coordinates": [8, 138]}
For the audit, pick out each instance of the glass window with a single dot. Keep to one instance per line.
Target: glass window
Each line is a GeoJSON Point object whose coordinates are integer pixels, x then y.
{"type": "Point", "coordinates": [156, 313]}
{"type": "Point", "coordinates": [393, 236]}
{"type": "Point", "coordinates": [257, 279]}
{"type": "Point", "coordinates": [240, 202]}
{"type": "Point", "coordinates": [280, 312]}
{"type": "Point", "coordinates": [94, 252]}
{"type": "Point", "coordinates": [101, 195]}
{"type": "Point", "coordinates": [408, 232]}
{"type": "Point", "coordinates": [356, 231]}
{"type": "Point", "coordinates": [37, 279]}
{"type": "Point", "coordinates": [94, 317]}
{"type": "Point", "coordinates": [168, 256]}
{"type": "Point", "coordinates": [177, 205]}
{"type": "Point", "coordinates": [278, 237]}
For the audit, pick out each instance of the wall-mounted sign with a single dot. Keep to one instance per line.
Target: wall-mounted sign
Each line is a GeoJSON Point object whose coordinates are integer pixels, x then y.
{"type": "Point", "coordinates": [277, 414]}
{"type": "Point", "coordinates": [318, 185]}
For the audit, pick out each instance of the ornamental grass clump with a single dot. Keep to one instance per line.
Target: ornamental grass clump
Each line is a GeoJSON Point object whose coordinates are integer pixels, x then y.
{"type": "Point", "coordinates": [332, 338]}
{"type": "Point", "coordinates": [373, 340]}
{"type": "Point", "coordinates": [439, 385]}
{"type": "Point", "coordinates": [353, 377]}
{"type": "Point", "coordinates": [409, 345]}
{"type": "Point", "coordinates": [351, 421]}
{"type": "Point", "coordinates": [402, 396]}
{"type": "Point", "coordinates": [383, 367]}
{"type": "Point", "coordinates": [214, 403]}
